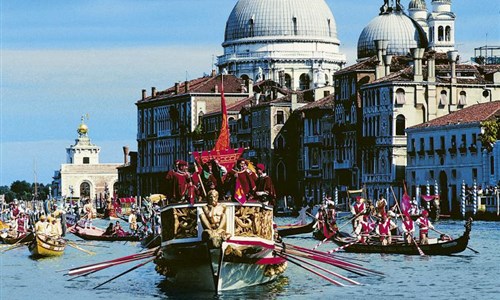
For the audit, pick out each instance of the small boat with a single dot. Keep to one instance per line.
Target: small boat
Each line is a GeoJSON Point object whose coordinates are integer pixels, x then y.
{"type": "Point", "coordinates": [236, 256]}
{"type": "Point", "coordinates": [288, 230]}
{"type": "Point", "coordinates": [24, 238]}
{"type": "Point", "coordinates": [97, 234]}
{"type": "Point", "coordinates": [45, 246]}
{"type": "Point", "coordinates": [435, 246]}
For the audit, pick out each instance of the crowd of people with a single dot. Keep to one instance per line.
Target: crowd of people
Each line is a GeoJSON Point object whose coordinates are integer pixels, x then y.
{"type": "Point", "coordinates": [238, 184]}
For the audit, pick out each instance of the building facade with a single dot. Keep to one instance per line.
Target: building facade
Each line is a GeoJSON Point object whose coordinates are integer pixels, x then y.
{"type": "Point", "coordinates": [83, 176]}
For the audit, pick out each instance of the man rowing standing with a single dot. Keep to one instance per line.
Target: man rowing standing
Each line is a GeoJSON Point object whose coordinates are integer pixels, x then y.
{"type": "Point", "coordinates": [384, 228]}
{"type": "Point", "coordinates": [408, 227]}
{"type": "Point", "coordinates": [424, 225]}
{"type": "Point", "coordinates": [358, 209]}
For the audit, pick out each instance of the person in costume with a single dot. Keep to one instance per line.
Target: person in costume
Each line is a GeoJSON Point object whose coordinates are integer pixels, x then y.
{"type": "Point", "coordinates": [408, 227]}
{"type": "Point", "coordinates": [241, 177]}
{"type": "Point", "coordinates": [264, 186]}
{"type": "Point", "coordinates": [358, 209]}
{"type": "Point", "coordinates": [384, 228]}
{"type": "Point", "coordinates": [424, 224]}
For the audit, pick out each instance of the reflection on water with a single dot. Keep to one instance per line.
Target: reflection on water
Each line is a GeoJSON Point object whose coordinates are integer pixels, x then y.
{"type": "Point", "coordinates": [463, 276]}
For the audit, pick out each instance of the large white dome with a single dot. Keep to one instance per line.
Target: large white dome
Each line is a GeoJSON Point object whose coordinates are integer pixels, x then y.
{"type": "Point", "coordinates": [280, 19]}
{"type": "Point", "coordinates": [401, 31]}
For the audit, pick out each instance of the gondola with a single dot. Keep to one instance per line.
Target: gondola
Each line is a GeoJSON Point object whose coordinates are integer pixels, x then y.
{"type": "Point", "coordinates": [435, 246]}
{"type": "Point", "coordinates": [288, 230]}
{"type": "Point", "coordinates": [96, 234]}
{"type": "Point", "coordinates": [45, 246]}
{"type": "Point", "coordinates": [24, 238]}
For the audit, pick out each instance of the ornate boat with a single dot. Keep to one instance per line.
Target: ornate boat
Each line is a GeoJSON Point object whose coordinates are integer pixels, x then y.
{"type": "Point", "coordinates": [45, 246]}
{"type": "Point", "coordinates": [288, 230]}
{"type": "Point", "coordinates": [236, 256]}
{"type": "Point", "coordinates": [97, 234]}
{"type": "Point", "coordinates": [435, 246]}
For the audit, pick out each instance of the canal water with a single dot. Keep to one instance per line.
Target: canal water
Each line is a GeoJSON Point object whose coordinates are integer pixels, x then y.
{"type": "Point", "coordinates": [463, 276]}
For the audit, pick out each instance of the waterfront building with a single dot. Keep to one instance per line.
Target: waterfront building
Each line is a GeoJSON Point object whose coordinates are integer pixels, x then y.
{"type": "Point", "coordinates": [449, 151]}
{"type": "Point", "coordinates": [127, 174]}
{"type": "Point", "coordinates": [83, 176]}
{"type": "Point", "coordinates": [292, 42]}
{"type": "Point", "coordinates": [167, 121]}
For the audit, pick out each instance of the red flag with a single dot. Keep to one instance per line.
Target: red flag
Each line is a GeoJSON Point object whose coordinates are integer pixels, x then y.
{"type": "Point", "coordinates": [239, 194]}
{"type": "Point", "coordinates": [405, 201]}
{"type": "Point", "coordinates": [223, 140]}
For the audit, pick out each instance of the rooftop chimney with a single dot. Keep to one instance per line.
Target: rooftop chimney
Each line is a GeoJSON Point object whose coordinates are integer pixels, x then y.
{"type": "Point", "coordinates": [177, 88]}
{"type": "Point", "coordinates": [125, 155]}
{"type": "Point", "coordinates": [214, 73]}
{"type": "Point", "coordinates": [431, 66]}
{"type": "Point", "coordinates": [387, 63]}
{"type": "Point", "coordinates": [418, 54]}
{"type": "Point", "coordinates": [452, 58]}
{"type": "Point", "coordinates": [153, 92]}
{"type": "Point", "coordinates": [250, 87]}
{"type": "Point", "coordinates": [144, 95]}
{"type": "Point", "coordinates": [381, 46]}
{"type": "Point", "coordinates": [186, 86]}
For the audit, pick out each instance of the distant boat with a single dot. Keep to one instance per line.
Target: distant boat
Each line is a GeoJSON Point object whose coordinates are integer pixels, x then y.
{"type": "Point", "coordinates": [97, 234]}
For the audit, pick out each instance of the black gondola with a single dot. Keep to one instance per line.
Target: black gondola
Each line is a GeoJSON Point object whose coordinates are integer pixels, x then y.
{"type": "Point", "coordinates": [437, 247]}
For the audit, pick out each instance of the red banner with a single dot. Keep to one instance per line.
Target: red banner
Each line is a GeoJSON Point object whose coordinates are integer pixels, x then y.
{"type": "Point", "coordinates": [226, 158]}
{"type": "Point", "coordinates": [223, 140]}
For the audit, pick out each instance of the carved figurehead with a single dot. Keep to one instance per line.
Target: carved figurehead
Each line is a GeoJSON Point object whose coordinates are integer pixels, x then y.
{"type": "Point", "coordinates": [214, 220]}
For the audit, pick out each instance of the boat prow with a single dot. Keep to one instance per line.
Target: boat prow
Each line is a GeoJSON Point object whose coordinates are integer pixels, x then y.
{"type": "Point", "coordinates": [240, 255]}
{"type": "Point", "coordinates": [46, 246]}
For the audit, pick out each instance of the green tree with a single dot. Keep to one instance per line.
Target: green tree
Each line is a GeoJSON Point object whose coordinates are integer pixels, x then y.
{"type": "Point", "coordinates": [21, 189]}
{"type": "Point", "coordinates": [490, 134]}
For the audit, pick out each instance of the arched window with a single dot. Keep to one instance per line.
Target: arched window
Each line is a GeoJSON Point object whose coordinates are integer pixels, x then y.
{"type": "Point", "coordinates": [295, 29]}
{"type": "Point", "coordinates": [400, 97]}
{"type": "Point", "coordinates": [400, 125]}
{"type": "Point", "coordinates": [305, 82]}
{"type": "Point", "coordinates": [85, 190]}
{"type": "Point", "coordinates": [440, 33]}
{"type": "Point", "coordinates": [288, 81]}
{"type": "Point", "coordinates": [443, 98]}
{"type": "Point", "coordinates": [251, 27]}
{"type": "Point", "coordinates": [245, 77]}
{"type": "Point", "coordinates": [431, 34]}
{"type": "Point", "coordinates": [462, 99]}
{"type": "Point", "coordinates": [448, 34]}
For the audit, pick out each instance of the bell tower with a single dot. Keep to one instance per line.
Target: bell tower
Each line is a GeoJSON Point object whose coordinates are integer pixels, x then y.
{"type": "Point", "coordinates": [441, 23]}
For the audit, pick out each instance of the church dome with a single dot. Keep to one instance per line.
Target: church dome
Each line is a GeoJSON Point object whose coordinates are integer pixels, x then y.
{"type": "Point", "coordinates": [401, 31]}
{"type": "Point", "coordinates": [417, 4]}
{"type": "Point", "coordinates": [281, 19]}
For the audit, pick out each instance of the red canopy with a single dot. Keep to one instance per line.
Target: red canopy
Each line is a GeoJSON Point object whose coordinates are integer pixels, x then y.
{"type": "Point", "coordinates": [127, 200]}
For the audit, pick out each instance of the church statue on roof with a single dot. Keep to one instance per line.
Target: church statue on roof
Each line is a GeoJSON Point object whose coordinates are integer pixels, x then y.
{"type": "Point", "coordinates": [386, 8]}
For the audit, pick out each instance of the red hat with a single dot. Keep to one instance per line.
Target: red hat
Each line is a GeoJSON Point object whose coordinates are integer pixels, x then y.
{"type": "Point", "coordinates": [358, 198]}
{"type": "Point", "coordinates": [425, 213]}
{"type": "Point", "coordinates": [261, 167]}
{"type": "Point", "coordinates": [182, 163]}
{"type": "Point", "coordinates": [240, 160]}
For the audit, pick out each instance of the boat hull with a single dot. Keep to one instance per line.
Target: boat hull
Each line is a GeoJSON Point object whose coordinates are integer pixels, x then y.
{"type": "Point", "coordinates": [294, 230]}
{"type": "Point", "coordinates": [44, 246]}
{"type": "Point", "coordinates": [236, 256]}
{"type": "Point", "coordinates": [95, 234]}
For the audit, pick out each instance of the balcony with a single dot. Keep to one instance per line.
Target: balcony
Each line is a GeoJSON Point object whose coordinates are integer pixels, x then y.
{"type": "Point", "coordinates": [441, 151]}
{"type": "Point", "coordinates": [462, 150]}
{"type": "Point", "coordinates": [412, 152]}
{"type": "Point", "coordinates": [452, 150]}
{"type": "Point", "coordinates": [421, 152]}
{"type": "Point", "coordinates": [430, 152]}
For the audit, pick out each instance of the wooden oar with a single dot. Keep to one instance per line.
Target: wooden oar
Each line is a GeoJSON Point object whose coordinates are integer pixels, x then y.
{"type": "Point", "coordinates": [475, 251]}
{"type": "Point", "coordinates": [341, 247]}
{"type": "Point", "coordinates": [105, 265]}
{"type": "Point", "coordinates": [16, 244]}
{"type": "Point", "coordinates": [310, 270]}
{"type": "Point", "coordinates": [325, 270]}
{"type": "Point", "coordinates": [127, 271]}
{"type": "Point", "coordinates": [79, 248]}
{"type": "Point", "coordinates": [401, 212]}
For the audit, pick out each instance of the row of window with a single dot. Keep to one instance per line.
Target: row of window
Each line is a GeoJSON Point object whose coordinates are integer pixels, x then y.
{"type": "Point", "coordinates": [443, 146]}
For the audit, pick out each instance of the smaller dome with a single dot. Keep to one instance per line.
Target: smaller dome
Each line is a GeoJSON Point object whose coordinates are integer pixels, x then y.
{"type": "Point", "coordinates": [401, 31]}
{"type": "Point", "coordinates": [417, 4]}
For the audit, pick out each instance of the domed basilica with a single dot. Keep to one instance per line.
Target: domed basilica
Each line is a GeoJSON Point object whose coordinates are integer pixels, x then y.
{"type": "Point", "coordinates": [293, 42]}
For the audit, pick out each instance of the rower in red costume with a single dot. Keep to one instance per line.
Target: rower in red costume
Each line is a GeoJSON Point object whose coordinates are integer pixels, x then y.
{"type": "Point", "coordinates": [180, 186]}
{"type": "Point", "coordinates": [264, 186]}
{"type": "Point", "coordinates": [244, 176]}
{"type": "Point", "coordinates": [358, 209]}
{"type": "Point", "coordinates": [384, 230]}
{"type": "Point", "coordinates": [424, 224]}
{"type": "Point", "coordinates": [408, 228]}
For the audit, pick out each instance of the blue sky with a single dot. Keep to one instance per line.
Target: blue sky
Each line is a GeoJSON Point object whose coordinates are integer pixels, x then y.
{"type": "Point", "coordinates": [62, 59]}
